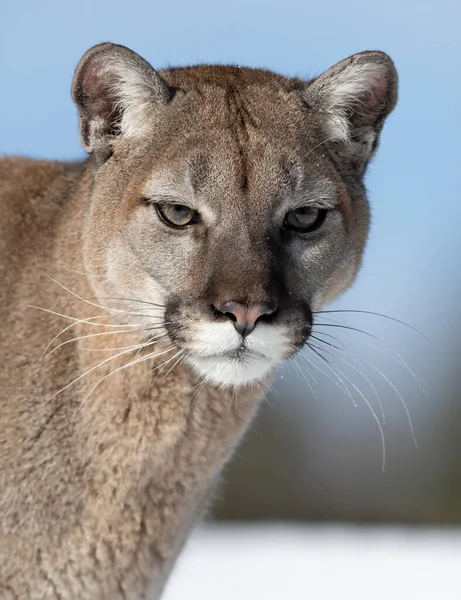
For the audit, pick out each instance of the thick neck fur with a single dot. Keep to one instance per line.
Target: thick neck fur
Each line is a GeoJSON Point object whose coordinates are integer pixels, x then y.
{"type": "Point", "coordinates": [96, 496]}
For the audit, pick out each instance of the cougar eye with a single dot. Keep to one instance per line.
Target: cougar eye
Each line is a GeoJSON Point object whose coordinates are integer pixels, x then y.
{"type": "Point", "coordinates": [305, 219]}
{"type": "Point", "coordinates": [177, 215]}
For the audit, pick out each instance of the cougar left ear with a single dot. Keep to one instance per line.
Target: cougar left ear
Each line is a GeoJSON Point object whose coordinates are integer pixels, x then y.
{"type": "Point", "coordinates": [116, 92]}
{"type": "Point", "coordinates": [353, 99]}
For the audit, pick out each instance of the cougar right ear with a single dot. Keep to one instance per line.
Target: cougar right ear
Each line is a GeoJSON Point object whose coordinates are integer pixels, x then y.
{"type": "Point", "coordinates": [353, 99]}
{"type": "Point", "coordinates": [116, 92]}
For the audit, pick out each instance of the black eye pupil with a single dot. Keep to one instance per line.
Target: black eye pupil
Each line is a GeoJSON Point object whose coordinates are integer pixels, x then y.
{"type": "Point", "coordinates": [177, 215]}
{"type": "Point", "coordinates": [182, 212]}
{"type": "Point", "coordinates": [305, 216]}
{"type": "Point", "coordinates": [305, 219]}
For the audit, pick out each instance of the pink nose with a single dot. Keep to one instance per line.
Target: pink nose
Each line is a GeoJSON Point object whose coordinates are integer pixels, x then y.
{"type": "Point", "coordinates": [245, 316]}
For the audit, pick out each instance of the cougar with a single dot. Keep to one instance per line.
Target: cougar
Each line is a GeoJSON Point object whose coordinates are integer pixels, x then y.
{"type": "Point", "coordinates": [149, 292]}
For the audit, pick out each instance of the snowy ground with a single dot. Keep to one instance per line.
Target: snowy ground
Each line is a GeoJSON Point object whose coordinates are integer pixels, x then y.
{"type": "Point", "coordinates": [284, 562]}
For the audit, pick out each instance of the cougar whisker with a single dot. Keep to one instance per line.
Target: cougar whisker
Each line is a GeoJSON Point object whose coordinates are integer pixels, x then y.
{"type": "Point", "coordinates": [163, 365]}
{"type": "Point", "coordinates": [87, 321]}
{"type": "Point", "coordinates": [92, 335]}
{"type": "Point", "coordinates": [380, 404]}
{"type": "Point", "coordinates": [376, 314]}
{"type": "Point", "coordinates": [373, 413]}
{"type": "Point", "coordinates": [78, 297]}
{"type": "Point", "coordinates": [386, 379]}
{"type": "Point", "coordinates": [314, 365]}
{"type": "Point", "coordinates": [87, 373]}
{"type": "Point", "coordinates": [392, 354]}
{"type": "Point", "coordinates": [305, 377]}
{"type": "Point", "coordinates": [117, 370]}
{"type": "Point", "coordinates": [133, 347]}
{"type": "Point", "coordinates": [181, 356]}
{"type": "Point", "coordinates": [340, 326]}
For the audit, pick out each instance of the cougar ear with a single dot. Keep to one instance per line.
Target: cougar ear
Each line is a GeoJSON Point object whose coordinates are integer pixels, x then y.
{"type": "Point", "coordinates": [354, 98]}
{"type": "Point", "coordinates": [116, 91]}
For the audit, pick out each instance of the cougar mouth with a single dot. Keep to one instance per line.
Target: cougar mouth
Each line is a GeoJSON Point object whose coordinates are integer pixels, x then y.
{"type": "Point", "coordinates": [219, 353]}
{"type": "Point", "coordinates": [237, 367]}
{"type": "Point", "coordinates": [239, 354]}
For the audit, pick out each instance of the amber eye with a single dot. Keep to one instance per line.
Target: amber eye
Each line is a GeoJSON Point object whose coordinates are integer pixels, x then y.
{"type": "Point", "coordinates": [177, 215]}
{"type": "Point", "coordinates": [305, 219]}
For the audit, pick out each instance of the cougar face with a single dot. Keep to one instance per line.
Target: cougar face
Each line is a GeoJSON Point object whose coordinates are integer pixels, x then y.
{"type": "Point", "coordinates": [230, 199]}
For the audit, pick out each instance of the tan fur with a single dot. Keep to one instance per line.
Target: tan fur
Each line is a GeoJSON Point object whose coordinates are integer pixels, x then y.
{"type": "Point", "coordinates": [101, 480]}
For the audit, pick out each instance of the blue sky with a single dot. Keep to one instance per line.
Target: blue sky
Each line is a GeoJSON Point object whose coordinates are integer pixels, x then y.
{"type": "Point", "coordinates": [412, 267]}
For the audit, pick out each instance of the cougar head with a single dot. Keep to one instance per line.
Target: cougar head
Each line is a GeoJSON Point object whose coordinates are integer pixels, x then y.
{"type": "Point", "coordinates": [232, 199]}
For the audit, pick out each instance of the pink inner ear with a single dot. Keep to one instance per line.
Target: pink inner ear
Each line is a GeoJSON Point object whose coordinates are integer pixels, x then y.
{"type": "Point", "coordinates": [97, 88]}
{"type": "Point", "coordinates": [377, 92]}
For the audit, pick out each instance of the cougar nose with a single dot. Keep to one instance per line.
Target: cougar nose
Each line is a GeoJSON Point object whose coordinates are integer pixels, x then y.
{"type": "Point", "coordinates": [245, 316]}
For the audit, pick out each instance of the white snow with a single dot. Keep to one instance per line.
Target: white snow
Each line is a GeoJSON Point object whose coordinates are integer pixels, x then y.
{"type": "Point", "coordinates": [278, 562]}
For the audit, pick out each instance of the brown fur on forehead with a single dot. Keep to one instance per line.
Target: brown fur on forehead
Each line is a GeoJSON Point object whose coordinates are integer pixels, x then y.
{"type": "Point", "coordinates": [213, 97]}
{"type": "Point", "coordinates": [229, 76]}
{"type": "Point", "coordinates": [236, 121]}
{"type": "Point", "coordinates": [235, 163]}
